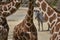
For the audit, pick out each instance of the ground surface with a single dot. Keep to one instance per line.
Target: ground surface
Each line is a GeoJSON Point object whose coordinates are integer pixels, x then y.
{"type": "Point", "coordinates": [17, 17]}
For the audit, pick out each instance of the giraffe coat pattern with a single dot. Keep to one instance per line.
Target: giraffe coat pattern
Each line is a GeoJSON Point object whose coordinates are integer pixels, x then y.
{"type": "Point", "coordinates": [26, 30]}
{"type": "Point", "coordinates": [52, 17]}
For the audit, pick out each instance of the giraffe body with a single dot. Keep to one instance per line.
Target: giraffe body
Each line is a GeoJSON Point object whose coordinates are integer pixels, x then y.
{"type": "Point", "coordinates": [52, 18]}
{"type": "Point", "coordinates": [26, 30]}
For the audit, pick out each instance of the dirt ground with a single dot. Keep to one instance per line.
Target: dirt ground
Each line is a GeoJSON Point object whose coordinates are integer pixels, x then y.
{"type": "Point", "coordinates": [18, 16]}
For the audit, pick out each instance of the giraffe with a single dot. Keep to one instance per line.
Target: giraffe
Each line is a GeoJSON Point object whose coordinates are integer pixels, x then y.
{"type": "Point", "coordinates": [6, 9]}
{"type": "Point", "coordinates": [52, 17]}
{"type": "Point", "coordinates": [26, 30]}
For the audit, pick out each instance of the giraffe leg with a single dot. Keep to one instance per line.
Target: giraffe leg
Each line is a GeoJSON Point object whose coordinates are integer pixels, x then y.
{"type": "Point", "coordinates": [38, 25]}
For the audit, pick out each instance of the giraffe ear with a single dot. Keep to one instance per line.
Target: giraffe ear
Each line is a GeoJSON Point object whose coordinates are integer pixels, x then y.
{"type": "Point", "coordinates": [54, 4]}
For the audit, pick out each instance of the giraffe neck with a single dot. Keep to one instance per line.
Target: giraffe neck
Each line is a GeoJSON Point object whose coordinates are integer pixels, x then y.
{"type": "Point", "coordinates": [9, 8]}
{"type": "Point", "coordinates": [52, 17]}
{"type": "Point", "coordinates": [49, 13]}
{"type": "Point", "coordinates": [29, 16]}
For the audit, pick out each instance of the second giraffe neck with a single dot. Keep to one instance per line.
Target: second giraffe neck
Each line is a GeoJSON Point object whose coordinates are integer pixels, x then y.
{"type": "Point", "coordinates": [29, 16]}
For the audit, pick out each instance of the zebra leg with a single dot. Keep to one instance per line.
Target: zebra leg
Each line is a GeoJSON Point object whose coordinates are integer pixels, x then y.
{"type": "Point", "coordinates": [42, 25]}
{"type": "Point", "coordinates": [38, 25]}
{"type": "Point", "coordinates": [48, 27]}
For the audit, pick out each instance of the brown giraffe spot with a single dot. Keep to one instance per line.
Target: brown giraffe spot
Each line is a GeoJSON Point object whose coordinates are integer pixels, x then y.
{"type": "Point", "coordinates": [54, 36]}
{"type": "Point", "coordinates": [38, 4]}
{"type": "Point", "coordinates": [52, 24]}
{"type": "Point", "coordinates": [28, 24]}
{"type": "Point", "coordinates": [58, 20]}
{"type": "Point", "coordinates": [59, 32]}
{"type": "Point", "coordinates": [46, 17]}
{"type": "Point", "coordinates": [58, 14]}
{"type": "Point", "coordinates": [28, 19]}
{"type": "Point", "coordinates": [1, 9]}
{"type": "Point", "coordinates": [17, 5]}
{"type": "Point", "coordinates": [50, 11]}
{"type": "Point", "coordinates": [9, 7]}
{"type": "Point", "coordinates": [12, 10]}
{"type": "Point", "coordinates": [43, 5]}
{"type": "Point", "coordinates": [57, 27]}
{"type": "Point", "coordinates": [52, 31]}
{"type": "Point", "coordinates": [52, 18]}
{"type": "Point", "coordinates": [0, 13]}
{"type": "Point", "coordinates": [29, 12]}
{"type": "Point", "coordinates": [5, 14]}
{"type": "Point", "coordinates": [40, 0]}
{"type": "Point", "coordinates": [5, 8]}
